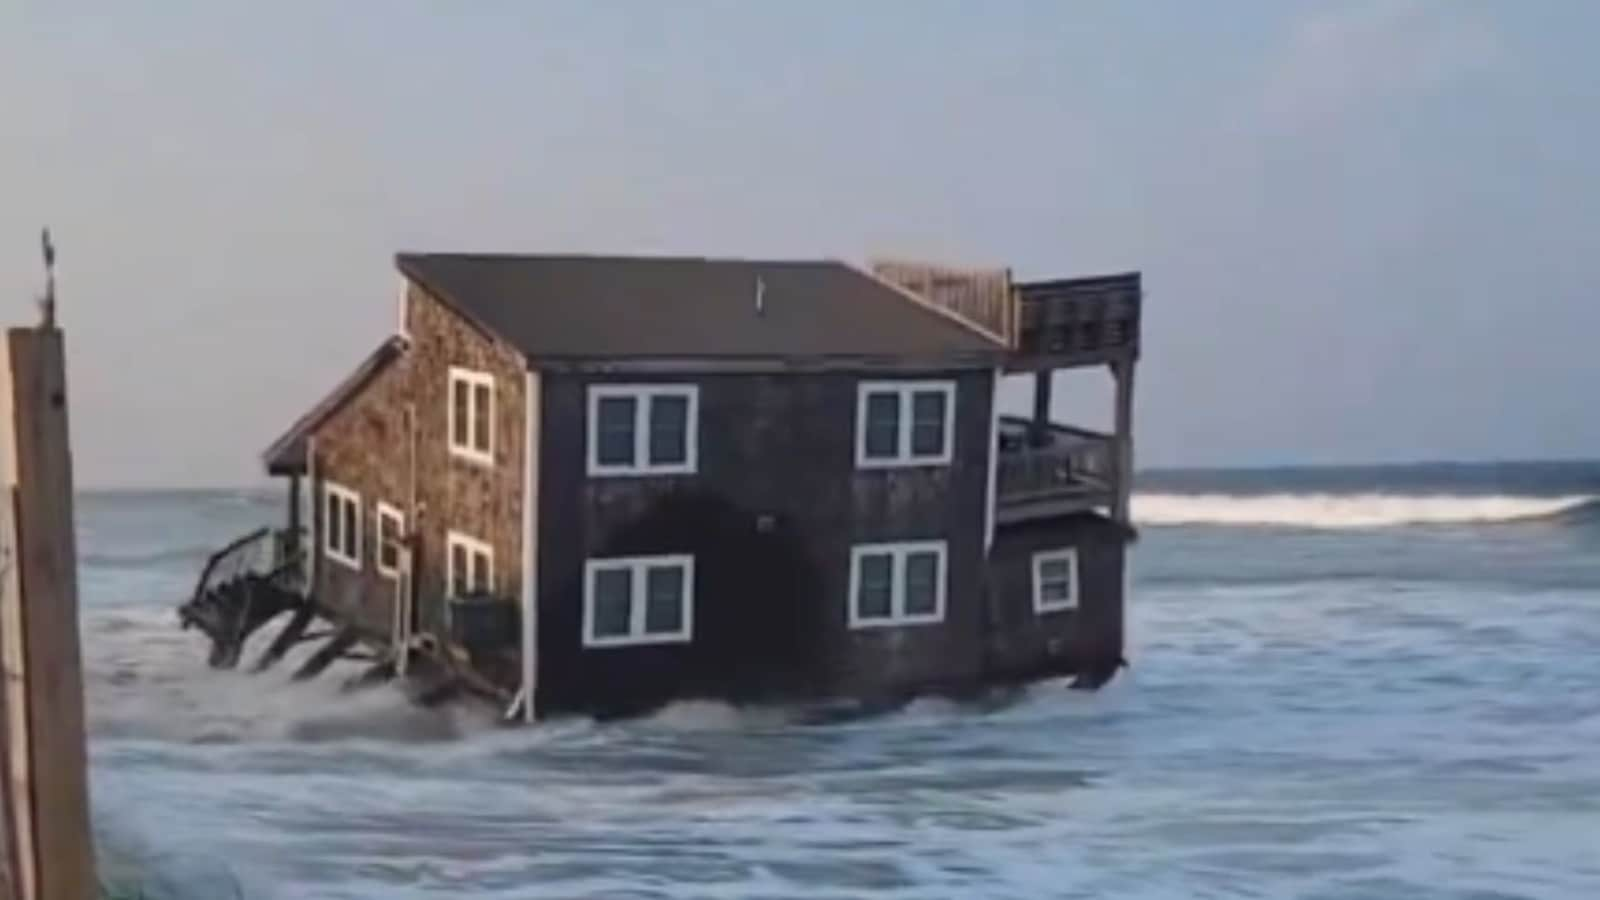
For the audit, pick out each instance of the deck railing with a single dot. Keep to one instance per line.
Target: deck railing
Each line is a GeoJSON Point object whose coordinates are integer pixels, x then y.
{"type": "Point", "coordinates": [265, 552]}
{"type": "Point", "coordinates": [1074, 463]}
{"type": "Point", "coordinates": [1078, 317]}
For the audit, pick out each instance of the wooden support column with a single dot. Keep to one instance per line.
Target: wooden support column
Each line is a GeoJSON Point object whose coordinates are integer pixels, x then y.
{"type": "Point", "coordinates": [49, 848]}
{"type": "Point", "coordinates": [1043, 384]}
{"type": "Point", "coordinates": [1122, 372]}
{"type": "Point", "coordinates": [292, 540]}
{"type": "Point", "coordinates": [318, 510]}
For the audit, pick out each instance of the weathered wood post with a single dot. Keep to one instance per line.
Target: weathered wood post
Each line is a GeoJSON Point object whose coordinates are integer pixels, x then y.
{"type": "Point", "coordinates": [293, 541]}
{"type": "Point", "coordinates": [1122, 372]}
{"type": "Point", "coordinates": [1043, 382]}
{"type": "Point", "coordinates": [49, 848]}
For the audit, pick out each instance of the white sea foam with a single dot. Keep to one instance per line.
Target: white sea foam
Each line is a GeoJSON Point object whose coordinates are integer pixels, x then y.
{"type": "Point", "coordinates": [1303, 736]}
{"type": "Point", "coordinates": [1343, 511]}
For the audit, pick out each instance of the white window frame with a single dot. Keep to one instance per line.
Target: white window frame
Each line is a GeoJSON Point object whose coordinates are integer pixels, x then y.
{"type": "Point", "coordinates": [474, 379]}
{"type": "Point", "coordinates": [644, 396]}
{"type": "Point", "coordinates": [330, 493]}
{"type": "Point", "coordinates": [404, 327]}
{"type": "Point", "coordinates": [454, 539]}
{"type": "Point", "coordinates": [1040, 560]}
{"type": "Point", "coordinates": [898, 551]}
{"type": "Point", "coordinates": [638, 566]}
{"type": "Point", "coordinates": [381, 535]}
{"type": "Point", "coordinates": [904, 391]}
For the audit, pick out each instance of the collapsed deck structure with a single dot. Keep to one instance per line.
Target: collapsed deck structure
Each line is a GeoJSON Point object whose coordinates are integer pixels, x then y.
{"type": "Point", "coordinates": [598, 484]}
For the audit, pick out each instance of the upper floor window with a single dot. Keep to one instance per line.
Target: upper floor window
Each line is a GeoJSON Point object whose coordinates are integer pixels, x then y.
{"type": "Point", "coordinates": [905, 423]}
{"type": "Point", "coordinates": [897, 584]}
{"type": "Point", "coordinates": [638, 600]}
{"type": "Point", "coordinates": [1055, 580]}
{"type": "Point", "coordinates": [390, 531]}
{"type": "Point", "coordinates": [341, 524]}
{"type": "Point", "coordinates": [472, 415]}
{"type": "Point", "coordinates": [643, 429]}
{"type": "Point", "coordinates": [469, 565]}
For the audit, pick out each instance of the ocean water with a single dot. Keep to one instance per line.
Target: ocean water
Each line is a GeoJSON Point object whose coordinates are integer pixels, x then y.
{"type": "Point", "coordinates": [1345, 684]}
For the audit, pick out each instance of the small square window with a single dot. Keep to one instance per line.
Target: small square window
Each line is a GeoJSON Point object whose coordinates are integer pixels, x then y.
{"type": "Point", "coordinates": [471, 565]}
{"type": "Point", "coordinates": [638, 600]}
{"type": "Point", "coordinates": [904, 423]}
{"type": "Point", "coordinates": [897, 584]}
{"type": "Point", "coordinates": [1055, 580]}
{"type": "Point", "coordinates": [341, 525]}
{"type": "Point", "coordinates": [471, 412]}
{"type": "Point", "coordinates": [642, 429]}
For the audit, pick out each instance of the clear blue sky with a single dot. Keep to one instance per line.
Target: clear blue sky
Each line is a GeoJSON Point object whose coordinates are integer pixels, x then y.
{"type": "Point", "coordinates": [1370, 230]}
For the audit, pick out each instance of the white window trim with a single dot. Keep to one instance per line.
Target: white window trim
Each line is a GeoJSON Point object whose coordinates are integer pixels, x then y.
{"type": "Point", "coordinates": [899, 551]}
{"type": "Point", "coordinates": [474, 379]}
{"type": "Point", "coordinates": [638, 566]}
{"type": "Point", "coordinates": [403, 329]}
{"type": "Point", "coordinates": [1040, 559]}
{"type": "Point", "coordinates": [381, 535]}
{"type": "Point", "coordinates": [904, 391]}
{"type": "Point", "coordinates": [643, 395]}
{"type": "Point", "coordinates": [331, 490]}
{"type": "Point", "coordinates": [472, 545]}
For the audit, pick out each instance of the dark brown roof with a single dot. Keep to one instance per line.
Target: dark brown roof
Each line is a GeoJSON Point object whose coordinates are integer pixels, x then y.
{"type": "Point", "coordinates": [554, 307]}
{"type": "Point", "coordinates": [287, 455]}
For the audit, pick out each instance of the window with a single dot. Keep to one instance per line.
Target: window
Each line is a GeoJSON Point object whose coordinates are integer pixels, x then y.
{"type": "Point", "coordinates": [643, 429]}
{"type": "Point", "coordinates": [472, 415]}
{"type": "Point", "coordinates": [1055, 580]}
{"type": "Point", "coordinates": [908, 423]}
{"type": "Point", "coordinates": [391, 530]}
{"type": "Point", "coordinates": [341, 524]}
{"type": "Point", "coordinates": [638, 600]}
{"type": "Point", "coordinates": [469, 565]}
{"type": "Point", "coordinates": [897, 584]}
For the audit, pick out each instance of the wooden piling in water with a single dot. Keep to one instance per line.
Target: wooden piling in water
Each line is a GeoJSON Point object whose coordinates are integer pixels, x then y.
{"type": "Point", "coordinates": [48, 852]}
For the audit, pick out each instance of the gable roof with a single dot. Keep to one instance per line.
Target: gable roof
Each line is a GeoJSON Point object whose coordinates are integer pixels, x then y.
{"type": "Point", "coordinates": [287, 454]}
{"type": "Point", "coordinates": [562, 307]}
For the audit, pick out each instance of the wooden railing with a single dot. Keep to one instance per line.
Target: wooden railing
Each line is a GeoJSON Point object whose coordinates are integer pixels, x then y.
{"type": "Point", "coordinates": [1074, 462]}
{"type": "Point", "coordinates": [265, 552]}
{"type": "Point", "coordinates": [1078, 318]}
{"type": "Point", "coordinates": [980, 296]}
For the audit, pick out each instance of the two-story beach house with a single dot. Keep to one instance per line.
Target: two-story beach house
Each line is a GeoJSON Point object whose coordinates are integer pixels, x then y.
{"type": "Point", "coordinates": [598, 484]}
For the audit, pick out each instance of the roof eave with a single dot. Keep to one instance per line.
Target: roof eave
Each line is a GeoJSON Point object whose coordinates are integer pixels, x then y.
{"type": "Point", "coordinates": [287, 454]}
{"type": "Point", "coordinates": [963, 359]}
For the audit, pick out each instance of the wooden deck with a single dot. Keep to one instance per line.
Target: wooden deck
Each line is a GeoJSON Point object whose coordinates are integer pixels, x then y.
{"type": "Point", "coordinates": [1060, 470]}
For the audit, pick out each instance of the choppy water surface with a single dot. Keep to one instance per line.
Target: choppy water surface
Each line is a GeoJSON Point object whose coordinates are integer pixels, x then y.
{"type": "Point", "coordinates": [1339, 690]}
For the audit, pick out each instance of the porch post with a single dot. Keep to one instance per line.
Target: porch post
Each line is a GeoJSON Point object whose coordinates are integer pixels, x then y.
{"type": "Point", "coordinates": [1043, 382]}
{"type": "Point", "coordinates": [1122, 372]}
{"type": "Point", "coordinates": [291, 542]}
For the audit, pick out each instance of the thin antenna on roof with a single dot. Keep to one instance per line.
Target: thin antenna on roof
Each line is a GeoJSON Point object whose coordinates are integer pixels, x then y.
{"type": "Point", "coordinates": [761, 295]}
{"type": "Point", "coordinates": [47, 303]}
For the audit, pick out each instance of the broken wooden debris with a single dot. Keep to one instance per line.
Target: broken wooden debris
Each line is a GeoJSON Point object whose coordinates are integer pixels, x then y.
{"type": "Point", "coordinates": [327, 654]}
{"type": "Point", "coordinates": [293, 633]}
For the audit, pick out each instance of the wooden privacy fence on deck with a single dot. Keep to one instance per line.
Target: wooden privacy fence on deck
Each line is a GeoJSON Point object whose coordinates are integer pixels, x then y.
{"type": "Point", "coordinates": [980, 296]}
{"type": "Point", "coordinates": [47, 852]}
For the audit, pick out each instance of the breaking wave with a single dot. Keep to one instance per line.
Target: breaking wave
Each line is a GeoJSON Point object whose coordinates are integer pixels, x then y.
{"type": "Point", "coordinates": [1351, 511]}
